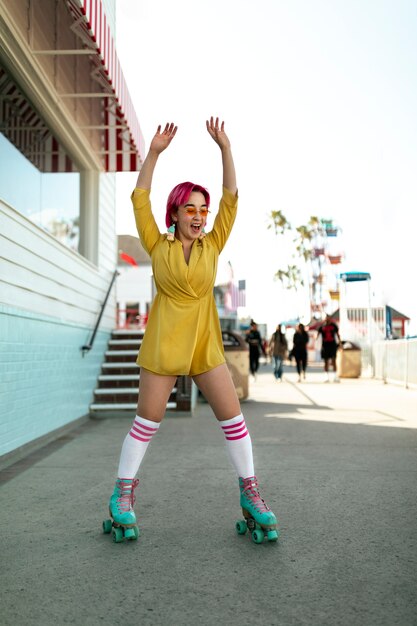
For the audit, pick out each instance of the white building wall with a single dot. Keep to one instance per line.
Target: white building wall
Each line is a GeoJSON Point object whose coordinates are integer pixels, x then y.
{"type": "Point", "coordinates": [39, 274]}
{"type": "Point", "coordinates": [50, 298]}
{"type": "Point", "coordinates": [134, 284]}
{"type": "Point", "coordinates": [107, 243]}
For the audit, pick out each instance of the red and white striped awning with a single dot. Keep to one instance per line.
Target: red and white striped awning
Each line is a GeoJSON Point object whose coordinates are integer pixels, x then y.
{"type": "Point", "coordinates": [110, 124]}
{"type": "Point", "coordinates": [124, 144]}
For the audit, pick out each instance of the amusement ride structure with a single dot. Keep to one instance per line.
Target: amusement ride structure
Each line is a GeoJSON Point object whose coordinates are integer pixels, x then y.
{"type": "Point", "coordinates": [324, 268]}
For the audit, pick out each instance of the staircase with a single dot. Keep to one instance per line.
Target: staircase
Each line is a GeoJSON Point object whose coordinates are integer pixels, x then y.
{"type": "Point", "coordinates": [118, 383]}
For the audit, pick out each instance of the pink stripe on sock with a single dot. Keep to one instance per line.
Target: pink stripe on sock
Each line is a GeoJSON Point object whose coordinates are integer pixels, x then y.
{"type": "Point", "coordinates": [238, 436]}
{"type": "Point", "coordinates": [232, 426]}
{"type": "Point", "coordinates": [139, 438]}
{"type": "Point", "coordinates": [139, 431]}
{"type": "Point", "coordinates": [145, 427]}
{"type": "Point", "coordinates": [235, 430]}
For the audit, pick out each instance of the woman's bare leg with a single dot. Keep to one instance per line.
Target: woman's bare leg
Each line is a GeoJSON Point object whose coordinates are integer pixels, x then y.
{"type": "Point", "coordinates": [219, 391]}
{"type": "Point", "coordinates": [154, 392]}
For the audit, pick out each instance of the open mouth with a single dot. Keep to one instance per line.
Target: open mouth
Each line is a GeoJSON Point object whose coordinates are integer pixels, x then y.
{"type": "Point", "coordinates": [196, 228]}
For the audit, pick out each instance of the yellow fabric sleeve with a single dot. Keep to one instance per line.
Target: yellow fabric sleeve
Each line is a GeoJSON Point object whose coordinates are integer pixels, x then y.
{"type": "Point", "coordinates": [146, 225]}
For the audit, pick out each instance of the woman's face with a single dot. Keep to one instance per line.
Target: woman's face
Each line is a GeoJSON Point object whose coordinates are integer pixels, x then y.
{"type": "Point", "coordinates": [191, 217]}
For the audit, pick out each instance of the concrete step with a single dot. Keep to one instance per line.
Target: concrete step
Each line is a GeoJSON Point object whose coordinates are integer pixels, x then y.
{"type": "Point", "coordinates": [111, 391]}
{"type": "Point", "coordinates": [121, 353]}
{"type": "Point", "coordinates": [121, 364]}
{"type": "Point", "coordinates": [116, 377]}
{"type": "Point", "coordinates": [125, 342]}
{"type": "Point", "coordinates": [127, 331]}
{"type": "Point", "coordinates": [122, 406]}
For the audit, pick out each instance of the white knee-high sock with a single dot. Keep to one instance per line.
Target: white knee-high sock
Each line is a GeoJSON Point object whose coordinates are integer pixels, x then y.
{"type": "Point", "coordinates": [239, 445]}
{"type": "Point", "coordinates": [135, 445]}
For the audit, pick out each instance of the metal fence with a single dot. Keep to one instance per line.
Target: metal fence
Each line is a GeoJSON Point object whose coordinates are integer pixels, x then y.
{"type": "Point", "coordinates": [396, 361]}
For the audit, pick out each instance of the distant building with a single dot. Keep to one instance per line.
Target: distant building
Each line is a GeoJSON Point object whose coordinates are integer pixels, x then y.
{"type": "Point", "coordinates": [134, 284]}
{"type": "Point", "coordinates": [229, 298]}
{"type": "Point", "coordinates": [387, 321]}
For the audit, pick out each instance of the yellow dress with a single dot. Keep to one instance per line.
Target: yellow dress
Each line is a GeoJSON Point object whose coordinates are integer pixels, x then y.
{"type": "Point", "coordinates": [183, 334]}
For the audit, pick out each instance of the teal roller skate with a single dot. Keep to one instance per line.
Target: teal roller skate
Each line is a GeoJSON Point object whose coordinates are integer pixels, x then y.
{"type": "Point", "coordinates": [122, 524]}
{"type": "Point", "coordinates": [258, 517]}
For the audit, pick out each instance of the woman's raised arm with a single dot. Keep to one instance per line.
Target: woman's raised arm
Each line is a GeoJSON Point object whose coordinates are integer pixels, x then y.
{"type": "Point", "coordinates": [159, 143]}
{"type": "Point", "coordinates": [217, 132]}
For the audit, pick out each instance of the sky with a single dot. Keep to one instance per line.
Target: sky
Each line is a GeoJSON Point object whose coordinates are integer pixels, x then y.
{"type": "Point", "coordinates": [319, 100]}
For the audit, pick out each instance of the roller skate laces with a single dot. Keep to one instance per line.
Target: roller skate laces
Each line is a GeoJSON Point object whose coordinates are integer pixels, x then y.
{"type": "Point", "coordinates": [126, 494]}
{"type": "Point", "coordinates": [249, 490]}
{"type": "Point", "coordinates": [258, 517]}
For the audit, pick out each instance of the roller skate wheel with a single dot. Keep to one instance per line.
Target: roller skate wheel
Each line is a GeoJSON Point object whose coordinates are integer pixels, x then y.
{"type": "Point", "coordinates": [258, 536]}
{"type": "Point", "coordinates": [117, 534]}
{"type": "Point", "coordinates": [107, 525]}
{"type": "Point", "coordinates": [130, 533]}
{"type": "Point", "coordinates": [241, 527]}
{"type": "Point", "coordinates": [137, 532]}
{"type": "Point", "coordinates": [272, 535]}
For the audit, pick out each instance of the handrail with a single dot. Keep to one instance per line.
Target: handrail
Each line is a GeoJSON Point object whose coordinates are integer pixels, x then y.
{"type": "Point", "coordinates": [88, 347]}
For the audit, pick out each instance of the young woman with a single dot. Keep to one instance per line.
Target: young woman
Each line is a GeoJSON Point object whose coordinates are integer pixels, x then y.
{"type": "Point", "coordinates": [299, 350]}
{"type": "Point", "coordinates": [183, 335]}
{"type": "Point", "coordinates": [279, 350]}
{"type": "Point", "coordinates": [254, 339]}
{"type": "Point", "coordinates": [329, 332]}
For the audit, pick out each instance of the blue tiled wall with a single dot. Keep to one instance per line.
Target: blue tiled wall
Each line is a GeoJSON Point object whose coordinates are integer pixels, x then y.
{"type": "Point", "coordinates": [45, 382]}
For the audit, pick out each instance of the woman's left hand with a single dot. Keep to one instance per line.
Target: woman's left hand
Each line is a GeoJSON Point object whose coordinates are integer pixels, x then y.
{"type": "Point", "coordinates": [163, 138]}
{"type": "Point", "coordinates": [217, 132]}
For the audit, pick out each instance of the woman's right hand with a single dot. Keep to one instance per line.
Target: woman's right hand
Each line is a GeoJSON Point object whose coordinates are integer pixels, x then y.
{"type": "Point", "coordinates": [161, 140]}
{"type": "Point", "coordinates": [217, 133]}
{"type": "Point", "coordinates": [159, 143]}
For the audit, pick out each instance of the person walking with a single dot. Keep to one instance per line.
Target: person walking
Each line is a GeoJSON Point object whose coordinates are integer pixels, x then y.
{"type": "Point", "coordinates": [279, 350]}
{"type": "Point", "coordinates": [329, 332]}
{"type": "Point", "coordinates": [256, 346]}
{"type": "Point", "coordinates": [183, 334]}
{"type": "Point", "coordinates": [299, 350]}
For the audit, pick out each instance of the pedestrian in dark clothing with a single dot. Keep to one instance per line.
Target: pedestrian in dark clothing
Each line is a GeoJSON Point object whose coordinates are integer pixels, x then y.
{"type": "Point", "coordinates": [254, 339]}
{"type": "Point", "coordinates": [299, 350]}
{"type": "Point", "coordinates": [329, 331]}
{"type": "Point", "coordinates": [279, 348]}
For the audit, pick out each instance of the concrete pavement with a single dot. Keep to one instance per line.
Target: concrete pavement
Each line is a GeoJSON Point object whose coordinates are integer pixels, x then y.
{"type": "Point", "coordinates": [336, 462]}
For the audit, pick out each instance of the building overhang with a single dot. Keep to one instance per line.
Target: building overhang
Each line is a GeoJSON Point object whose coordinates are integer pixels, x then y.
{"type": "Point", "coordinates": [64, 101]}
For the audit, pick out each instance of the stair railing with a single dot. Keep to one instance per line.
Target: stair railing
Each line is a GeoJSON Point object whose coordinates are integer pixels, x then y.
{"type": "Point", "coordinates": [89, 345]}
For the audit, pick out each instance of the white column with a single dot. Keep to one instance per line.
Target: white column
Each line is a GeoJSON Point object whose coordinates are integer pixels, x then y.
{"type": "Point", "coordinates": [89, 211]}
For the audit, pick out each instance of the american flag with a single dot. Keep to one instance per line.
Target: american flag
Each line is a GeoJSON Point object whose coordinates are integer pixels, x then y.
{"type": "Point", "coordinates": [236, 292]}
{"type": "Point", "coordinates": [241, 293]}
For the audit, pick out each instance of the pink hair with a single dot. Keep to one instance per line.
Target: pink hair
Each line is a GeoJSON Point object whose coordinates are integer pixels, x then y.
{"type": "Point", "coordinates": [179, 195]}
